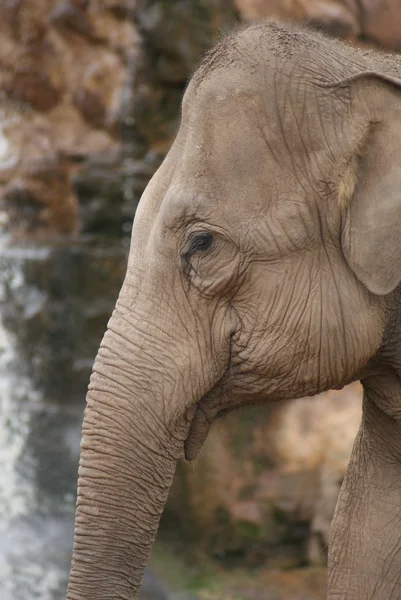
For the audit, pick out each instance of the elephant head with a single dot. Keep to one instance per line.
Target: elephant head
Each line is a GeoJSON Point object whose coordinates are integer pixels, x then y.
{"type": "Point", "coordinates": [264, 265]}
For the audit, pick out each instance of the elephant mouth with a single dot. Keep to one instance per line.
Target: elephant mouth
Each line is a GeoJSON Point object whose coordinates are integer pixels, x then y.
{"type": "Point", "coordinates": [206, 412]}
{"type": "Point", "coordinates": [219, 402]}
{"type": "Point", "coordinates": [197, 434]}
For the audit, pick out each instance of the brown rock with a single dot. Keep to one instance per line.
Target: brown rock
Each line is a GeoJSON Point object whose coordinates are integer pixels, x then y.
{"type": "Point", "coordinates": [338, 18]}
{"type": "Point", "coordinates": [377, 21]}
{"type": "Point", "coordinates": [23, 210]}
{"type": "Point", "coordinates": [9, 11]}
{"type": "Point", "coordinates": [61, 97]}
{"type": "Point", "coordinates": [23, 21]}
{"type": "Point", "coordinates": [71, 16]}
{"type": "Point", "coordinates": [41, 198]}
{"type": "Point", "coordinates": [120, 8]}
{"type": "Point", "coordinates": [380, 21]}
{"type": "Point", "coordinates": [251, 10]}
{"type": "Point", "coordinates": [313, 438]}
{"type": "Point", "coordinates": [30, 86]}
{"type": "Point", "coordinates": [91, 106]}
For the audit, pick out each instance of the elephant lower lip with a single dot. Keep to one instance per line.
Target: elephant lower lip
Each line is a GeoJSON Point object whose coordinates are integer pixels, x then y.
{"type": "Point", "coordinates": [212, 406]}
{"type": "Point", "coordinates": [200, 428]}
{"type": "Point", "coordinates": [197, 435]}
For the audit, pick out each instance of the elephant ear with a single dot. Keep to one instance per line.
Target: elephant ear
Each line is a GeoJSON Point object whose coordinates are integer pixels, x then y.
{"type": "Point", "coordinates": [371, 232]}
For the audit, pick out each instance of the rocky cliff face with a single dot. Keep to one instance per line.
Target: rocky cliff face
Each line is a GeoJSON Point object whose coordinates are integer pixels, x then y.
{"type": "Point", "coordinates": [362, 21]}
{"type": "Point", "coordinates": [63, 72]}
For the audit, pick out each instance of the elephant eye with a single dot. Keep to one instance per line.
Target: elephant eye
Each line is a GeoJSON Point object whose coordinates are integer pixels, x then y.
{"type": "Point", "coordinates": [200, 242]}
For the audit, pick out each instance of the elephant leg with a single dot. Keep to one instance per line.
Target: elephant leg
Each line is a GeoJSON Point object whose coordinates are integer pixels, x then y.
{"type": "Point", "coordinates": [365, 549]}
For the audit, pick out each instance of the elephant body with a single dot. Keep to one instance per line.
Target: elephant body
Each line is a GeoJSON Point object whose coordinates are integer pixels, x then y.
{"type": "Point", "coordinates": [264, 265]}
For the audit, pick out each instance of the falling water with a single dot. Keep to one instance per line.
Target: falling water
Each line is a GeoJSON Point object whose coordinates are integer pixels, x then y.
{"type": "Point", "coordinates": [51, 323]}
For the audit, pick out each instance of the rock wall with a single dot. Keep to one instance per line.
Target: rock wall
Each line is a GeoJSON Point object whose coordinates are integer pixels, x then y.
{"type": "Point", "coordinates": [63, 72]}
{"type": "Point", "coordinates": [367, 21]}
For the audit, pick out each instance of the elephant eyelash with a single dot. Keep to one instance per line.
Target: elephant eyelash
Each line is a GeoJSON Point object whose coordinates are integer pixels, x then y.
{"type": "Point", "coordinates": [198, 243]}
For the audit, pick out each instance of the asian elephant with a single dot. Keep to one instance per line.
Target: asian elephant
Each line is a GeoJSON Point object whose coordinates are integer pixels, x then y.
{"type": "Point", "coordinates": [265, 264]}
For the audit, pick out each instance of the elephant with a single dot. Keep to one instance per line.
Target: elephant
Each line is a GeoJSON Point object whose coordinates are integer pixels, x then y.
{"type": "Point", "coordinates": [264, 265]}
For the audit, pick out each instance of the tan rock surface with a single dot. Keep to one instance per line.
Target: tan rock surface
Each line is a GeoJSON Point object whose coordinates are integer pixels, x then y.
{"type": "Point", "coordinates": [376, 21]}
{"type": "Point", "coordinates": [63, 67]}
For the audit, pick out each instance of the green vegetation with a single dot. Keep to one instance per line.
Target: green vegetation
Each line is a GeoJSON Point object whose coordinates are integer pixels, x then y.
{"type": "Point", "coordinates": [204, 578]}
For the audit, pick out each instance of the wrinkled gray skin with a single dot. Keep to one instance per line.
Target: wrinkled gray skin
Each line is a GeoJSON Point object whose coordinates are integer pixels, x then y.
{"type": "Point", "coordinates": [265, 265]}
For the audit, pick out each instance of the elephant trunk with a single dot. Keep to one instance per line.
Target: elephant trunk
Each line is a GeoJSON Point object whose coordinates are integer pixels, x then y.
{"type": "Point", "coordinates": [131, 440]}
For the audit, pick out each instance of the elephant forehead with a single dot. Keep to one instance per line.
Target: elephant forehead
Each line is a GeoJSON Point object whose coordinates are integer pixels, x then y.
{"type": "Point", "coordinates": [226, 172]}
{"type": "Point", "coordinates": [212, 191]}
{"type": "Point", "coordinates": [281, 99]}
{"type": "Point", "coordinates": [245, 143]}
{"type": "Point", "coordinates": [237, 117]}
